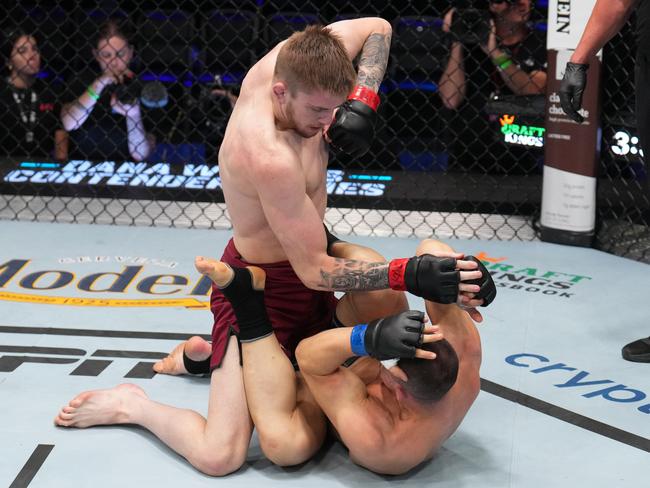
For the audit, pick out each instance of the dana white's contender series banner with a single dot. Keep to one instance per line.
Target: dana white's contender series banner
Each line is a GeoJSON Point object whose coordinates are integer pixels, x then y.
{"type": "Point", "coordinates": [566, 22]}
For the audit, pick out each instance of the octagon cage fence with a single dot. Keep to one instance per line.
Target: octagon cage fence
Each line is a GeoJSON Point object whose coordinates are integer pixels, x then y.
{"type": "Point", "coordinates": [450, 159]}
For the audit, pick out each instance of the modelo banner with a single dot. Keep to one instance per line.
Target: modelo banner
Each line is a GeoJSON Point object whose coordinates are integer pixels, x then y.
{"type": "Point", "coordinates": [572, 150]}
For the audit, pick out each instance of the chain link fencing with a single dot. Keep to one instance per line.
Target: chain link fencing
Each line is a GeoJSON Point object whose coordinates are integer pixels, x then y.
{"type": "Point", "coordinates": [459, 143]}
{"type": "Point", "coordinates": [623, 194]}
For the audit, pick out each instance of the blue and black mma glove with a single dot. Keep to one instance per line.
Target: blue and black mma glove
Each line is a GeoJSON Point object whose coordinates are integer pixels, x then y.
{"type": "Point", "coordinates": [353, 128]}
{"type": "Point", "coordinates": [396, 336]}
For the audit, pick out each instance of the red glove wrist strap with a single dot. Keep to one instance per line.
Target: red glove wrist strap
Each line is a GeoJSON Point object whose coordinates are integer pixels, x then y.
{"type": "Point", "coordinates": [396, 271]}
{"type": "Point", "coordinates": [365, 95]}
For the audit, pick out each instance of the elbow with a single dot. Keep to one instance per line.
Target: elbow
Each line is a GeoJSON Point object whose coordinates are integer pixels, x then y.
{"type": "Point", "coordinates": [141, 153]}
{"type": "Point", "coordinates": [451, 92]}
{"type": "Point", "coordinates": [451, 101]}
{"type": "Point", "coordinates": [534, 89]}
{"type": "Point", "coordinates": [536, 84]}
{"type": "Point", "coordinates": [137, 157]}
{"type": "Point", "coordinates": [68, 123]}
{"type": "Point", "coordinates": [384, 26]}
{"type": "Point", "coordinates": [309, 276]}
{"type": "Point", "coordinates": [540, 86]}
{"type": "Point", "coordinates": [622, 8]}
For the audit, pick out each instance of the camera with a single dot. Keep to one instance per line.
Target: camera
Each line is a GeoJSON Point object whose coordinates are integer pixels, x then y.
{"type": "Point", "coordinates": [471, 26]}
{"type": "Point", "coordinates": [128, 92]}
{"type": "Point", "coordinates": [231, 87]}
{"type": "Point", "coordinates": [152, 94]}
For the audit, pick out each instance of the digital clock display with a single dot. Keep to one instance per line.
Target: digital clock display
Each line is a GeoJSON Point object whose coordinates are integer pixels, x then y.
{"type": "Point", "coordinates": [625, 143]}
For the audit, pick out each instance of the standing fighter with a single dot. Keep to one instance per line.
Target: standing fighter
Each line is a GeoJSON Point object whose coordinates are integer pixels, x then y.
{"type": "Point", "coordinates": [606, 19]}
{"type": "Point", "coordinates": [273, 163]}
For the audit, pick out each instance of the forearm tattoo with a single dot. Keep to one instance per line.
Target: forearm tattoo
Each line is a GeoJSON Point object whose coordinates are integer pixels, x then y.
{"type": "Point", "coordinates": [373, 61]}
{"type": "Point", "coordinates": [351, 275]}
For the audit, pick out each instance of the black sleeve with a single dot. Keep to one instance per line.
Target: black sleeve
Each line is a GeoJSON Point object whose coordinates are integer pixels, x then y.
{"type": "Point", "coordinates": [53, 94]}
{"type": "Point", "coordinates": [75, 85]}
{"type": "Point", "coordinates": [8, 123]}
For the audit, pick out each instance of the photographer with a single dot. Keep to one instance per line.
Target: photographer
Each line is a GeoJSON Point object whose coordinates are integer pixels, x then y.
{"type": "Point", "coordinates": [494, 53]}
{"type": "Point", "coordinates": [105, 120]}
{"type": "Point", "coordinates": [511, 54]}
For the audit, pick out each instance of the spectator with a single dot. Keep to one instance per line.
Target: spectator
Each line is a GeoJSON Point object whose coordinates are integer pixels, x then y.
{"type": "Point", "coordinates": [499, 55]}
{"type": "Point", "coordinates": [29, 106]}
{"type": "Point", "coordinates": [102, 125]}
{"type": "Point", "coordinates": [229, 93]}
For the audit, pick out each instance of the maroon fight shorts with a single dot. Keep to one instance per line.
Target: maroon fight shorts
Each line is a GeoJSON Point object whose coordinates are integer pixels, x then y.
{"type": "Point", "coordinates": [295, 311]}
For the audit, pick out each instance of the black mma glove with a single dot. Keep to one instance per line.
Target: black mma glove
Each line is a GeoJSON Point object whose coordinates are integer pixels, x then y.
{"type": "Point", "coordinates": [571, 89]}
{"type": "Point", "coordinates": [432, 278]}
{"type": "Point", "coordinates": [392, 337]}
{"type": "Point", "coordinates": [353, 128]}
{"type": "Point", "coordinates": [488, 289]}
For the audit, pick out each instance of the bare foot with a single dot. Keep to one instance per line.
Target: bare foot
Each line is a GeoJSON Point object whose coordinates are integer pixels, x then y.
{"type": "Point", "coordinates": [196, 348]}
{"type": "Point", "coordinates": [222, 274]}
{"type": "Point", "coordinates": [100, 407]}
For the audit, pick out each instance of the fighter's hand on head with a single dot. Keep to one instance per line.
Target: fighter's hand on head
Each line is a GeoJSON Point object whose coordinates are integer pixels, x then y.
{"type": "Point", "coordinates": [353, 127]}
{"type": "Point", "coordinates": [571, 89]}
{"type": "Point", "coordinates": [396, 336]}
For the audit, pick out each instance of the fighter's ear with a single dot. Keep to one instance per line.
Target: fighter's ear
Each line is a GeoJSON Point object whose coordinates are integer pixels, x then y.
{"type": "Point", "coordinates": [280, 91]}
{"type": "Point", "coordinates": [400, 392]}
{"type": "Point", "coordinates": [399, 373]}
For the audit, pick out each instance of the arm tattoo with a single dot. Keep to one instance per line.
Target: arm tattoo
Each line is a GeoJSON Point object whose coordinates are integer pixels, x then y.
{"type": "Point", "coordinates": [373, 61]}
{"type": "Point", "coordinates": [351, 275]}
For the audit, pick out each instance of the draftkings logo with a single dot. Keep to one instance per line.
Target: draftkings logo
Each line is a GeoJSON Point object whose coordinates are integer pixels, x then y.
{"type": "Point", "coordinates": [531, 279]}
{"type": "Point", "coordinates": [519, 134]}
{"type": "Point", "coordinates": [22, 281]}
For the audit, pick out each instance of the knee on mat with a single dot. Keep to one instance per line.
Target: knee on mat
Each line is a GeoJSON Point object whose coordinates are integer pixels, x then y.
{"type": "Point", "coordinates": [284, 450]}
{"type": "Point", "coordinates": [220, 462]}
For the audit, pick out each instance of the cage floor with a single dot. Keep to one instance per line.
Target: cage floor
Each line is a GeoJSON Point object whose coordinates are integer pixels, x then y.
{"type": "Point", "coordinates": [558, 406]}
